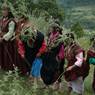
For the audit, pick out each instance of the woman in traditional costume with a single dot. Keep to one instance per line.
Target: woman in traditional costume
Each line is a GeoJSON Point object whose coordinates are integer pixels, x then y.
{"type": "Point", "coordinates": [22, 24]}
{"type": "Point", "coordinates": [75, 73]}
{"type": "Point", "coordinates": [7, 47]}
{"type": "Point", "coordinates": [35, 74]}
{"type": "Point", "coordinates": [31, 43]}
{"type": "Point", "coordinates": [91, 59]}
{"type": "Point", "coordinates": [53, 58]}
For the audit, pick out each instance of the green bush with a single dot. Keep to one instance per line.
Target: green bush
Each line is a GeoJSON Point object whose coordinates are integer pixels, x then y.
{"type": "Point", "coordinates": [78, 30]}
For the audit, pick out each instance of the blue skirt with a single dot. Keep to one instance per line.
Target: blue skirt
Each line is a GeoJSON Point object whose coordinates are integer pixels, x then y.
{"type": "Point", "coordinates": [36, 67]}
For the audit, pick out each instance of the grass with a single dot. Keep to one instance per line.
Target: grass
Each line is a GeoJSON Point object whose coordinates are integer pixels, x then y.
{"type": "Point", "coordinates": [13, 84]}
{"type": "Point", "coordinates": [83, 13]}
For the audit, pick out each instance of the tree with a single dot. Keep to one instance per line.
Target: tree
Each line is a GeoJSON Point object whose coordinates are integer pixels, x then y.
{"type": "Point", "coordinates": [44, 8]}
{"type": "Point", "coordinates": [52, 8]}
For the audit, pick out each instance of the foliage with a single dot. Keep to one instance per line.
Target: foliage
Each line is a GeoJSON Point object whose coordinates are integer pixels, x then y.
{"type": "Point", "coordinates": [13, 84]}
{"type": "Point", "coordinates": [10, 84]}
{"type": "Point", "coordinates": [79, 10]}
{"type": "Point", "coordinates": [40, 24]}
{"type": "Point", "coordinates": [78, 30]}
{"type": "Point", "coordinates": [45, 8]}
{"type": "Point", "coordinates": [38, 12]}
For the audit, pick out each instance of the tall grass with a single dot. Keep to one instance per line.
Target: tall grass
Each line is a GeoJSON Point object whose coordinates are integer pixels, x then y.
{"type": "Point", "coordinates": [13, 84]}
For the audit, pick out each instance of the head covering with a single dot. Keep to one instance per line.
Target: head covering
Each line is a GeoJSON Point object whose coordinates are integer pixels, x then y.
{"type": "Point", "coordinates": [70, 35]}
{"type": "Point", "coordinates": [56, 27]}
{"type": "Point", "coordinates": [28, 34]}
{"type": "Point", "coordinates": [69, 38]}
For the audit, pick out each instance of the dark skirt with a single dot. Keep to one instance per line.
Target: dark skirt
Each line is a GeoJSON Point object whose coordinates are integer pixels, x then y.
{"type": "Point", "coordinates": [9, 57]}
{"type": "Point", "coordinates": [51, 68]}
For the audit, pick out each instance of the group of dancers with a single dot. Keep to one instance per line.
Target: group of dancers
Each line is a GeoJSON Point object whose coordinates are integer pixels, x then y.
{"type": "Point", "coordinates": [43, 57]}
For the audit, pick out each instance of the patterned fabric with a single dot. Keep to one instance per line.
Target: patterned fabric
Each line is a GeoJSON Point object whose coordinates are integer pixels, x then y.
{"type": "Point", "coordinates": [21, 48]}
{"type": "Point", "coordinates": [74, 77]}
{"type": "Point", "coordinates": [70, 54]}
{"type": "Point", "coordinates": [7, 48]}
{"type": "Point", "coordinates": [61, 53]}
{"type": "Point", "coordinates": [29, 52]}
{"type": "Point", "coordinates": [4, 24]}
{"type": "Point", "coordinates": [53, 60]}
{"type": "Point", "coordinates": [53, 40]}
{"type": "Point", "coordinates": [90, 54]}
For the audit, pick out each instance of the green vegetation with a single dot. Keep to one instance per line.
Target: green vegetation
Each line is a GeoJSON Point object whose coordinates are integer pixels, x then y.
{"type": "Point", "coordinates": [82, 11]}
{"type": "Point", "coordinates": [44, 8]}
{"type": "Point", "coordinates": [40, 13]}
{"type": "Point", "coordinates": [78, 30]}
{"type": "Point", "coordinates": [13, 84]}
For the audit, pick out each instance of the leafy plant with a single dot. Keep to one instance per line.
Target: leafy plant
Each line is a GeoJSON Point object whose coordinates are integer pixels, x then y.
{"type": "Point", "coordinates": [78, 30]}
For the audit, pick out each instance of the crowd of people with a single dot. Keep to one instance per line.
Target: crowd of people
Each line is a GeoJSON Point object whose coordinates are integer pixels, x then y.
{"type": "Point", "coordinates": [43, 57]}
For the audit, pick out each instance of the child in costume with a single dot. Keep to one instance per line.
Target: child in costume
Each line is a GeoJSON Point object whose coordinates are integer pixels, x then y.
{"type": "Point", "coordinates": [74, 73]}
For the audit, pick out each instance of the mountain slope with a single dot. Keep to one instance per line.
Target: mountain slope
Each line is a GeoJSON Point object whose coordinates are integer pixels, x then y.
{"type": "Point", "coordinates": [79, 10]}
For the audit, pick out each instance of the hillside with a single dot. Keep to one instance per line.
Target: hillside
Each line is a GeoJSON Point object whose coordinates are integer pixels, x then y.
{"type": "Point", "coordinates": [79, 10]}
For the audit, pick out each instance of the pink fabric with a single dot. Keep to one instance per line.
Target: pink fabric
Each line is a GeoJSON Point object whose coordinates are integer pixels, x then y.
{"type": "Point", "coordinates": [53, 36]}
{"type": "Point", "coordinates": [80, 59]}
{"type": "Point", "coordinates": [21, 49]}
{"type": "Point", "coordinates": [61, 53]}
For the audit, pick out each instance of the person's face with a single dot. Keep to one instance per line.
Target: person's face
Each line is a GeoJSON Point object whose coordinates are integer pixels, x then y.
{"type": "Point", "coordinates": [68, 42]}
{"type": "Point", "coordinates": [5, 12]}
{"type": "Point", "coordinates": [50, 29]}
{"type": "Point", "coordinates": [57, 29]}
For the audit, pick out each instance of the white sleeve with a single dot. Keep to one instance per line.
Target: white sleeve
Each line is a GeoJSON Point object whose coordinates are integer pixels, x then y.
{"type": "Point", "coordinates": [79, 58]}
{"type": "Point", "coordinates": [10, 33]}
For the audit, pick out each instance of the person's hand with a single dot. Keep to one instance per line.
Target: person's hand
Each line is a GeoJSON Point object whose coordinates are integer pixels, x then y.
{"type": "Point", "coordinates": [58, 59]}
{"type": "Point", "coordinates": [38, 55]}
{"type": "Point", "coordinates": [69, 68]}
{"type": "Point", "coordinates": [23, 56]}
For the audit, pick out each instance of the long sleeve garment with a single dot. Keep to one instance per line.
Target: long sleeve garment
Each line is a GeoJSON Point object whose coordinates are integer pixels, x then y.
{"type": "Point", "coordinates": [79, 58]}
{"type": "Point", "coordinates": [11, 32]}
